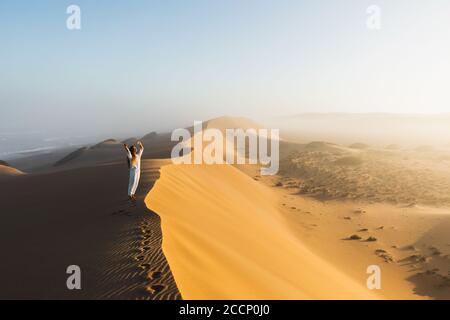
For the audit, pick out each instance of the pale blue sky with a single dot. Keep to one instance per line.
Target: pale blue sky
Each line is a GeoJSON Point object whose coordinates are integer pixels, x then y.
{"type": "Point", "coordinates": [156, 64]}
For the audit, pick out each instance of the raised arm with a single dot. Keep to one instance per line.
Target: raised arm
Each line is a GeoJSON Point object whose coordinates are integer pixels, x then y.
{"type": "Point", "coordinates": [141, 148]}
{"type": "Point", "coordinates": [127, 150]}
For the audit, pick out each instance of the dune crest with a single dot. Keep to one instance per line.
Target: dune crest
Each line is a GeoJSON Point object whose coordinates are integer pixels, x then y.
{"type": "Point", "coordinates": [225, 239]}
{"type": "Point", "coordinates": [4, 163]}
{"type": "Point", "coordinates": [7, 171]}
{"type": "Point", "coordinates": [227, 122]}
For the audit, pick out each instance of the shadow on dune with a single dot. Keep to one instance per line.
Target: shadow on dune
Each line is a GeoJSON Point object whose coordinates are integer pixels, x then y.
{"type": "Point", "coordinates": [81, 217]}
{"type": "Point", "coordinates": [433, 280]}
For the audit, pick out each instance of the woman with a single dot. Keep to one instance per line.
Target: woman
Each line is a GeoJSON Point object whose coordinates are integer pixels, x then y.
{"type": "Point", "coordinates": [134, 160]}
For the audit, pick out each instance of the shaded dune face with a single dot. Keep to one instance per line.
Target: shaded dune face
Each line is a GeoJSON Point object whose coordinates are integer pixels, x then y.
{"type": "Point", "coordinates": [70, 157]}
{"type": "Point", "coordinates": [106, 143]}
{"type": "Point", "coordinates": [225, 239]}
{"type": "Point", "coordinates": [82, 217]}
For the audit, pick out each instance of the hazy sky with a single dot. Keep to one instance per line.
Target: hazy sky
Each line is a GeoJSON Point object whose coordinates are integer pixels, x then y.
{"type": "Point", "coordinates": [156, 64]}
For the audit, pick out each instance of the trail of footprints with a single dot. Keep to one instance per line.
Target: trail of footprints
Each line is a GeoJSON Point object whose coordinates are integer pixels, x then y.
{"type": "Point", "coordinates": [135, 267]}
{"type": "Point", "coordinates": [150, 260]}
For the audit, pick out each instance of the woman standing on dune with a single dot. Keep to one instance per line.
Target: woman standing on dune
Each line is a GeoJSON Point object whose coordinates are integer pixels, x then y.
{"type": "Point", "coordinates": [134, 163]}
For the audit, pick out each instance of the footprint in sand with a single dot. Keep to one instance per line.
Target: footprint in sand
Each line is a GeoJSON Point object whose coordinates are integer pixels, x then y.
{"type": "Point", "coordinates": [139, 258]}
{"type": "Point", "coordinates": [145, 266]}
{"type": "Point", "coordinates": [386, 256]}
{"type": "Point", "coordinates": [155, 288]}
{"type": "Point", "coordinates": [145, 243]}
{"type": "Point", "coordinates": [154, 275]}
{"type": "Point", "coordinates": [144, 237]}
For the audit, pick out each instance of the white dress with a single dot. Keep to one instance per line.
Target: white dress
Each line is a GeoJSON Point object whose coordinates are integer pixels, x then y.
{"type": "Point", "coordinates": [135, 172]}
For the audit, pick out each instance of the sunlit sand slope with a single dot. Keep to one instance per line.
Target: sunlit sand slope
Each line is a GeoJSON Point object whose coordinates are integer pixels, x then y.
{"type": "Point", "coordinates": [225, 239]}
{"type": "Point", "coordinates": [7, 172]}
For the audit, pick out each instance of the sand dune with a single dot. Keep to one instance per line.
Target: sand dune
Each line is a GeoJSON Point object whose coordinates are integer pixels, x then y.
{"type": "Point", "coordinates": [228, 232]}
{"type": "Point", "coordinates": [321, 146]}
{"type": "Point", "coordinates": [375, 175]}
{"type": "Point", "coordinates": [70, 157]}
{"type": "Point", "coordinates": [106, 143]}
{"type": "Point", "coordinates": [225, 239]}
{"type": "Point", "coordinates": [4, 163]}
{"type": "Point", "coordinates": [130, 141]}
{"type": "Point", "coordinates": [358, 145]}
{"type": "Point", "coordinates": [157, 146]}
{"type": "Point", "coordinates": [41, 162]}
{"type": "Point", "coordinates": [227, 122]}
{"type": "Point", "coordinates": [7, 172]}
{"type": "Point", "coordinates": [82, 217]}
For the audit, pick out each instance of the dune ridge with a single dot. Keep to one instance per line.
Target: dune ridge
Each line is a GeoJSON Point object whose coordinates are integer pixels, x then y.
{"type": "Point", "coordinates": [225, 239]}
{"type": "Point", "coordinates": [7, 172]}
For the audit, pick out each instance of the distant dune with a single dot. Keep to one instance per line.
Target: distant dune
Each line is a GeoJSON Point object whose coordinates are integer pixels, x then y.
{"type": "Point", "coordinates": [321, 146]}
{"type": "Point", "coordinates": [328, 171]}
{"type": "Point", "coordinates": [149, 136]}
{"type": "Point", "coordinates": [4, 163]}
{"type": "Point", "coordinates": [7, 172]}
{"type": "Point", "coordinates": [130, 141]}
{"type": "Point", "coordinates": [358, 145]}
{"type": "Point", "coordinates": [227, 122]}
{"type": "Point", "coordinates": [393, 147]}
{"type": "Point", "coordinates": [71, 156]}
{"type": "Point", "coordinates": [157, 146]}
{"type": "Point", "coordinates": [106, 143]}
{"type": "Point", "coordinates": [349, 161]}
{"type": "Point", "coordinates": [371, 128]}
{"type": "Point", "coordinates": [425, 148]}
